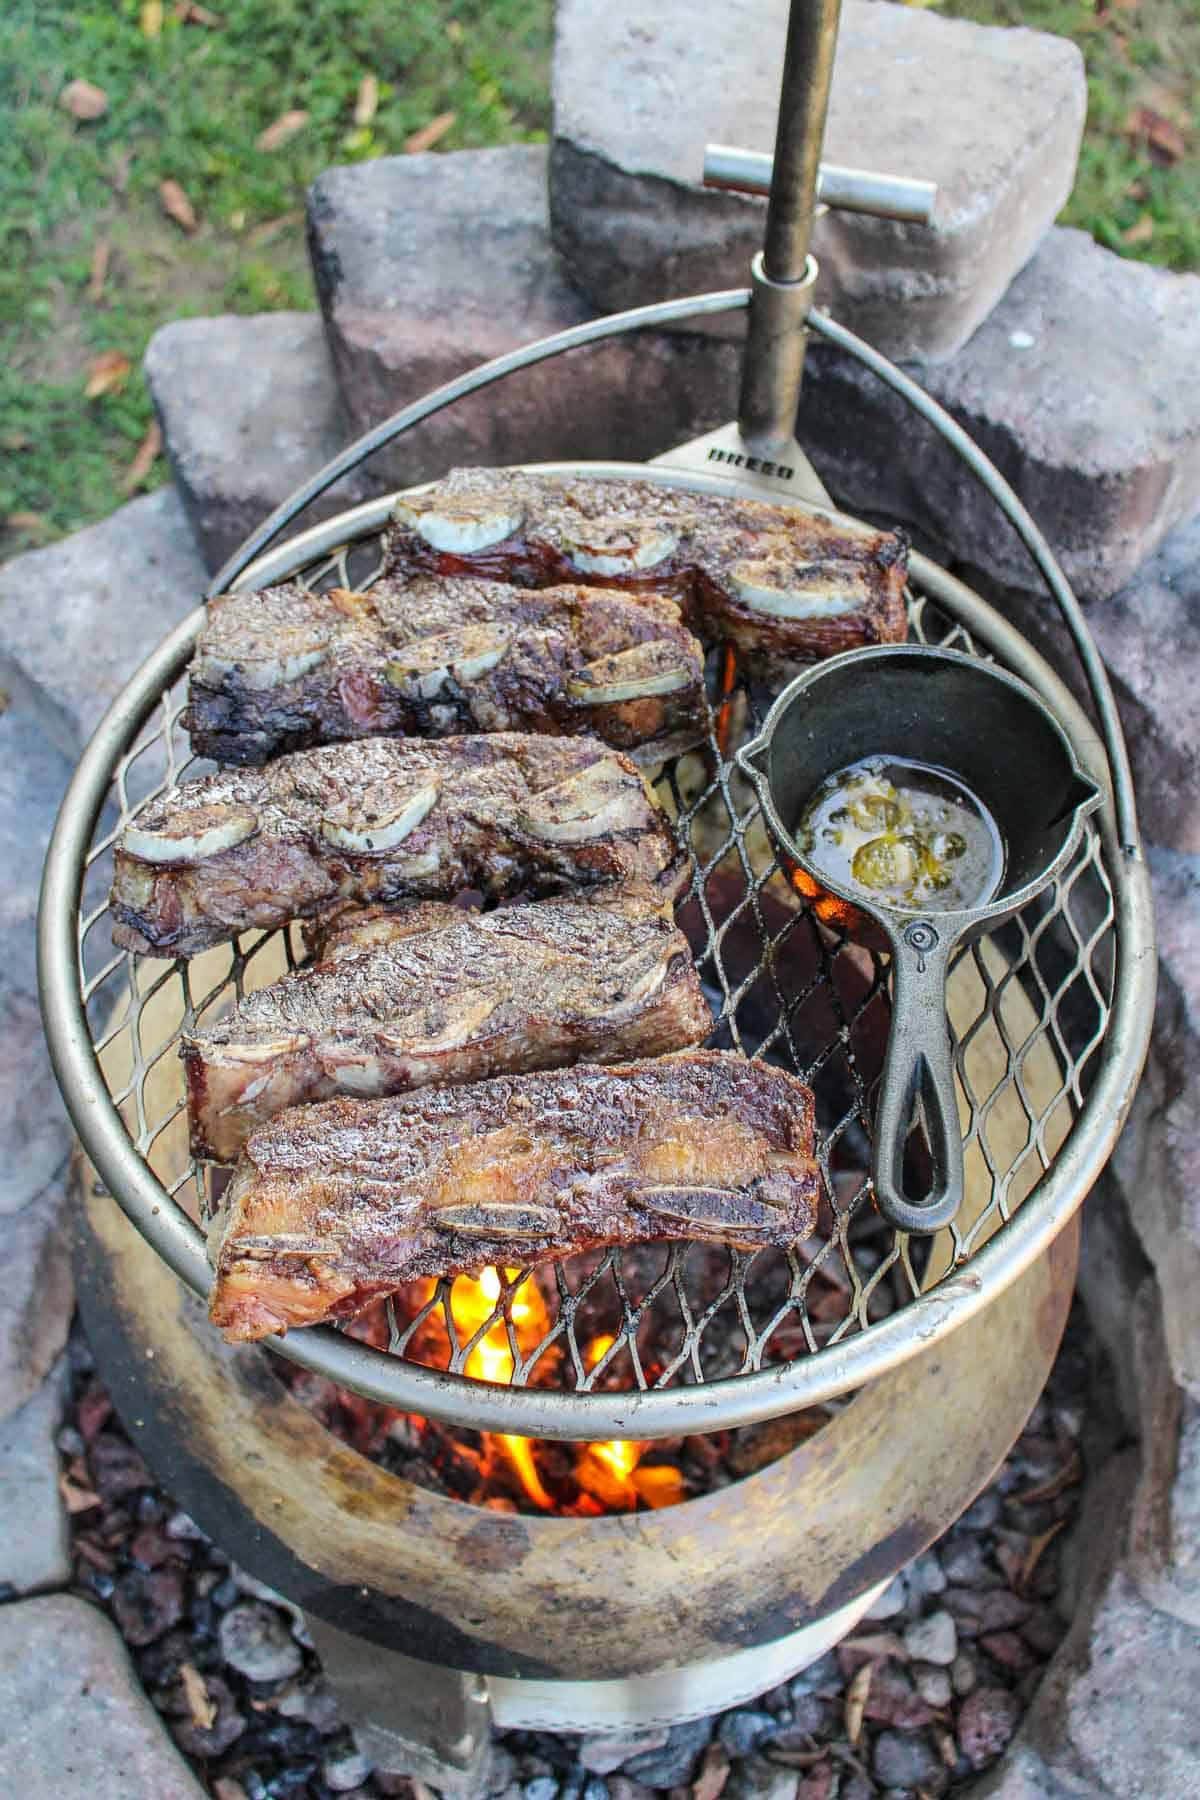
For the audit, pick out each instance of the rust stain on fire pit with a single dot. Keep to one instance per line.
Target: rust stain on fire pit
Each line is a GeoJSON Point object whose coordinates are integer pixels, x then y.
{"type": "Point", "coordinates": [497, 1542]}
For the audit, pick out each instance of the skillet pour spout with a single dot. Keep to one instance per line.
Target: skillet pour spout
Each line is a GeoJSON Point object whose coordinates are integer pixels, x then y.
{"type": "Point", "coordinates": [989, 733]}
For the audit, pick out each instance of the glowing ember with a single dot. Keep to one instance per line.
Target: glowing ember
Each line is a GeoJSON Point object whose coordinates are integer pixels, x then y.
{"type": "Point", "coordinates": [587, 1479]}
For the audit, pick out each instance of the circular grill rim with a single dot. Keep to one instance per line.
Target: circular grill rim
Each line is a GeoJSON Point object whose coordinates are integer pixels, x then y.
{"type": "Point", "coordinates": [738, 1400]}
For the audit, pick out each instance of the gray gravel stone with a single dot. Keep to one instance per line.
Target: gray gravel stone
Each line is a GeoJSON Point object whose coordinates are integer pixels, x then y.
{"type": "Point", "coordinates": [986, 1723]}
{"type": "Point", "coordinates": [427, 265]}
{"type": "Point", "coordinates": [74, 1722]}
{"type": "Point", "coordinates": [249, 409]}
{"type": "Point", "coordinates": [754, 1778]}
{"type": "Point", "coordinates": [963, 1673]}
{"type": "Point", "coordinates": [746, 1730]}
{"type": "Point", "coordinates": [925, 1575]}
{"type": "Point", "coordinates": [601, 1755]}
{"type": "Point", "coordinates": [673, 1764]}
{"type": "Point", "coordinates": [314, 1702]}
{"type": "Point", "coordinates": [983, 1513]}
{"type": "Point", "coordinates": [933, 1639]}
{"type": "Point", "coordinates": [891, 1602]}
{"type": "Point", "coordinates": [35, 1548]}
{"type": "Point", "coordinates": [822, 1673]}
{"type": "Point", "coordinates": [934, 1685]}
{"type": "Point", "coordinates": [79, 617]}
{"type": "Point", "coordinates": [1090, 423]}
{"type": "Point", "coordinates": [36, 1298]}
{"type": "Point", "coordinates": [256, 1641]}
{"type": "Point", "coordinates": [966, 1563]}
{"type": "Point", "coordinates": [639, 90]}
{"type": "Point", "coordinates": [344, 1770]}
{"type": "Point", "coordinates": [905, 1759]}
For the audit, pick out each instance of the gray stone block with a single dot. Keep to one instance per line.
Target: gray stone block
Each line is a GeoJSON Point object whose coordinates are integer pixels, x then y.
{"type": "Point", "coordinates": [1075, 389]}
{"type": "Point", "coordinates": [35, 1545]}
{"type": "Point", "coordinates": [993, 116]}
{"type": "Point", "coordinates": [77, 618]}
{"type": "Point", "coordinates": [1156, 1164]}
{"type": "Point", "coordinates": [34, 1135]}
{"type": "Point", "coordinates": [428, 265]}
{"type": "Point", "coordinates": [36, 1300]}
{"type": "Point", "coordinates": [1149, 636]}
{"type": "Point", "coordinates": [249, 409]}
{"type": "Point", "coordinates": [74, 1721]}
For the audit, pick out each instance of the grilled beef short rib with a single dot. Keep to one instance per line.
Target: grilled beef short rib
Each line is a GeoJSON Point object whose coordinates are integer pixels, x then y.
{"type": "Point", "coordinates": [785, 585]}
{"type": "Point", "coordinates": [433, 656]}
{"type": "Point", "coordinates": [333, 1206]}
{"type": "Point", "coordinates": [436, 994]}
{"type": "Point", "coordinates": [382, 820]}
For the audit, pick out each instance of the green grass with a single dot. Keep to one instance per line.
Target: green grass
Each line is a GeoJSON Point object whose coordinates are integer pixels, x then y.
{"type": "Point", "coordinates": [188, 103]}
{"type": "Point", "coordinates": [1139, 55]}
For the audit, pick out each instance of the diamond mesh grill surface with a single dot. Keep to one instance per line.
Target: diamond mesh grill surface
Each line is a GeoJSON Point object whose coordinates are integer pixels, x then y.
{"type": "Point", "coordinates": [1029, 1008]}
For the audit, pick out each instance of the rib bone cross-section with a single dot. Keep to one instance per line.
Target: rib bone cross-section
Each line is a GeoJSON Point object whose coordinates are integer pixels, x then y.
{"type": "Point", "coordinates": [387, 819]}
{"type": "Point", "coordinates": [333, 1206]}
{"type": "Point", "coordinates": [433, 656]}
{"type": "Point", "coordinates": [784, 585]}
{"type": "Point", "coordinates": [436, 994]}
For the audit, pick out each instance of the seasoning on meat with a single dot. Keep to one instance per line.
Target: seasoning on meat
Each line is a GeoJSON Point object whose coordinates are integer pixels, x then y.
{"type": "Point", "coordinates": [785, 585]}
{"type": "Point", "coordinates": [432, 656]}
{"type": "Point", "coordinates": [388, 819]}
{"type": "Point", "coordinates": [333, 1206]}
{"type": "Point", "coordinates": [433, 993]}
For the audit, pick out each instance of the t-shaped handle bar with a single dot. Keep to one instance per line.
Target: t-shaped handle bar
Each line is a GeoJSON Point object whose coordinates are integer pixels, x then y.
{"type": "Point", "coordinates": [901, 197]}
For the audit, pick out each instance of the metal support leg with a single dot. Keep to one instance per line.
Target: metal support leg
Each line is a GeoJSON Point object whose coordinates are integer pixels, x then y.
{"type": "Point", "coordinates": [409, 1717]}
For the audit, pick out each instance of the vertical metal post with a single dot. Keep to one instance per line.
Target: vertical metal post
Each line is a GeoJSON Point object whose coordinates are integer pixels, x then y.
{"type": "Point", "coordinates": [784, 274]}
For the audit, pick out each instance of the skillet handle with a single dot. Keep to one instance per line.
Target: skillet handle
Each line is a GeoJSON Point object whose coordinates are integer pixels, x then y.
{"type": "Point", "coordinates": [918, 1066]}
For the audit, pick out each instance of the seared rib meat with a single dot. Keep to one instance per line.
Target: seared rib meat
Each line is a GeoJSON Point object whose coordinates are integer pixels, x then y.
{"type": "Point", "coordinates": [387, 819]}
{"type": "Point", "coordinates": [785, 585]}
{"type": "Point", "coordinates": [439, 994]}
{"type": "Point", "coordinates": [433, 656]}
{"type": "Point", "coordinates": [333, 1206]}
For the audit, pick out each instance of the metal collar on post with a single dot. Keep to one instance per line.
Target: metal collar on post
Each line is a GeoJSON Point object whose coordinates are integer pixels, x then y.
{"type": "Point", "coordinates": [784, 275]}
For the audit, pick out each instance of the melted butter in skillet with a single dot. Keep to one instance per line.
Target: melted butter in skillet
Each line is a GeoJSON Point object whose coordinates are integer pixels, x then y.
{"type": "Point", "coordinates": [905, 834]}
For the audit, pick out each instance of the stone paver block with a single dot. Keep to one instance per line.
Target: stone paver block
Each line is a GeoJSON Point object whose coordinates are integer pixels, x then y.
{"type": "Point", "coordinates": [33, 1130]}
{"type": "Point", "coordinates": [249, 409]}
{"type": "Point", "coordinates": [1149, 636]}
{"type": "Point", "coordinates": [74, 1722]}
{"type": "Point", "coordinates": [993, 116]}
{"type": "Point", "coordinates": [36, 1299]}
{"type": "Point", "coordinates": [1157, 1160]}
{"type": "Point", "coordinates": [1076, 389]}
{"type": "Point", "coordinates": [428, 265]}
{"type": "Point", "coordinates": [78, 617]}
{"type": "Point", "coordinates": [35, 1549]}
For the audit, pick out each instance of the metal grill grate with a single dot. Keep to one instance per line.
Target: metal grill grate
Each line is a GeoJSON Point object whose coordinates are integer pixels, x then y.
{"type": "Point", "coordinates": [1029, 1011]}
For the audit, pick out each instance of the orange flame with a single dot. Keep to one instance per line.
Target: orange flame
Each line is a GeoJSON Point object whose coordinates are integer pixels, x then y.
{"type": "Point", "coordinates": [609, 1475]}
{"type": "Point", "coordinates": [473, 1302]}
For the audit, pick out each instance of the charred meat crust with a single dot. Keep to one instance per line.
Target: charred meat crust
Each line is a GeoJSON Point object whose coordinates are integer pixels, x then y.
{"type": "Point", "coordinates": [333, 1205]}
{"type": "Point", "coordinates": [707, 550]}
{"type": "Point", "coordinates": [433, 656]}
{"type": "Point", "coordinates": [388, 819]}
{"type": "Point", "coordinates": [436, 994]}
